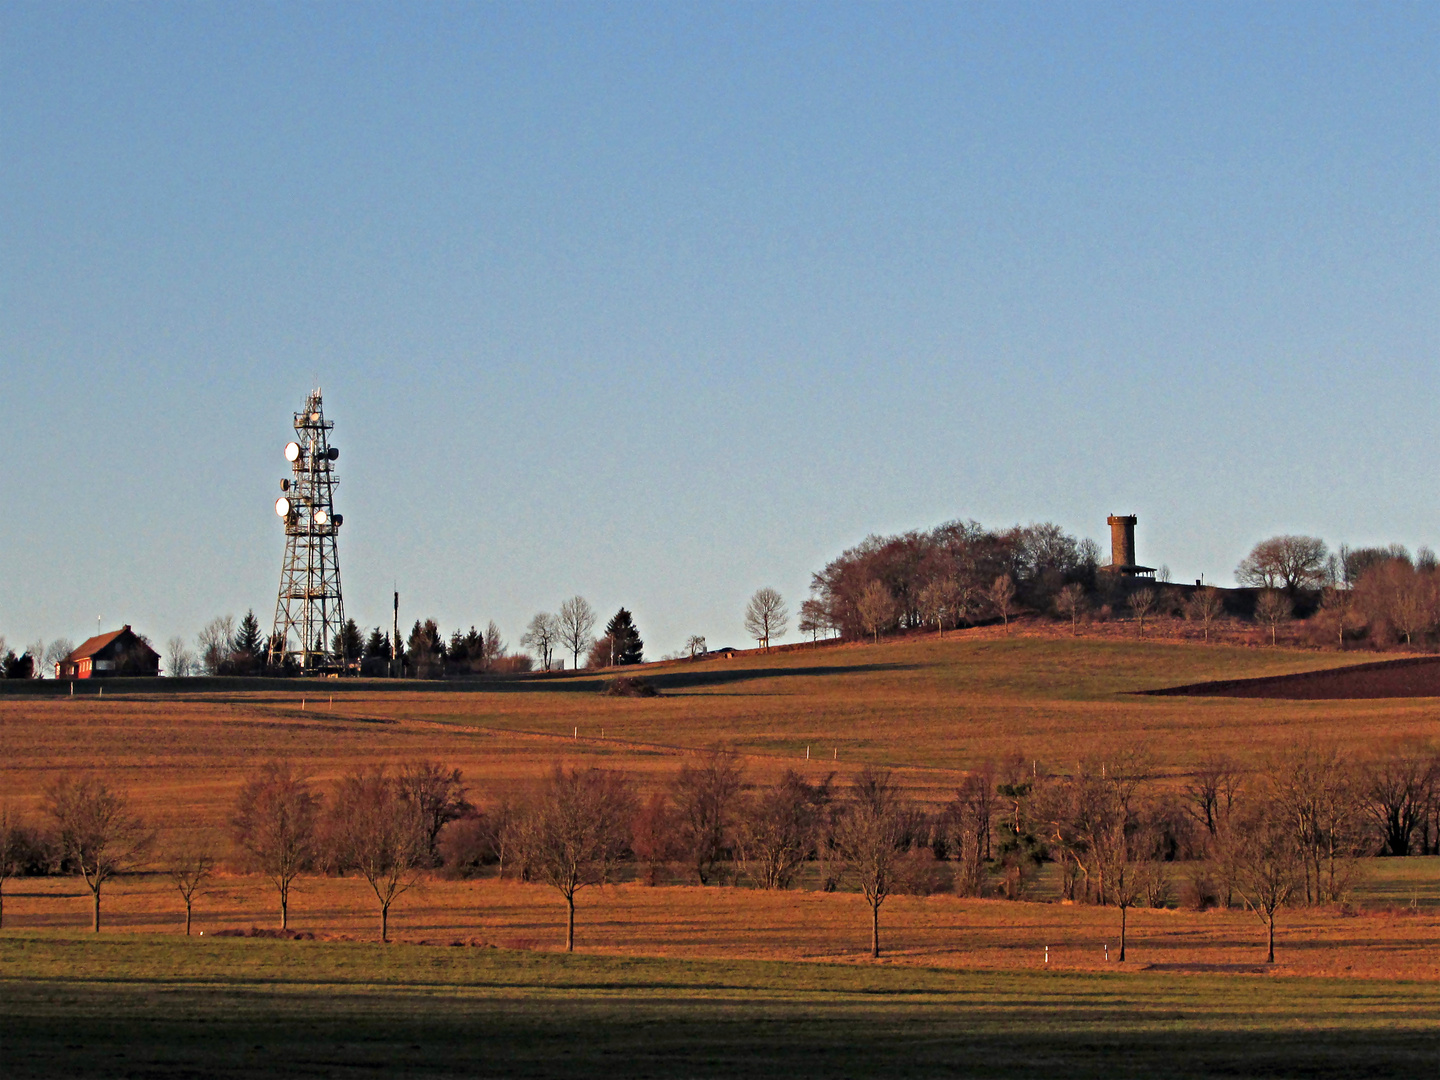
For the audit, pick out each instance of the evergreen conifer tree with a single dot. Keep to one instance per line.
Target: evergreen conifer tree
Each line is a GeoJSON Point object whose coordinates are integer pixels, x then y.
{"type": "Point", "coordinates": [629, 649]}
{"type": "Point", "coordinates": [347, 644]}
{"type": "Point", "coordinates": [249, 645]}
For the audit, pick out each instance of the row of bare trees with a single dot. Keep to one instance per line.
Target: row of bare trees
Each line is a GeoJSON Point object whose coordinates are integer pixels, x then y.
{"type": "Point", "coordinates": [1292, 830]}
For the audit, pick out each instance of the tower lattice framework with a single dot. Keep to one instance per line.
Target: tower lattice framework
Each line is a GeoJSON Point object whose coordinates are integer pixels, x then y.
{"type": "Point", "coordinates": [309, 610]}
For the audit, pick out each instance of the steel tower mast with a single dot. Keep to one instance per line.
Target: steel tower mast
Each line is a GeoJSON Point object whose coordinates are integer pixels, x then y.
{"type": "Point", "coordinates": [309, 609]}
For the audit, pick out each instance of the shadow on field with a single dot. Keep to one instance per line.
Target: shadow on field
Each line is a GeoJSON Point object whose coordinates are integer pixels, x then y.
{"type": "Point", "coordinates": [317, 689]}
{"type": "Point", "coordinates": [57, 1028]}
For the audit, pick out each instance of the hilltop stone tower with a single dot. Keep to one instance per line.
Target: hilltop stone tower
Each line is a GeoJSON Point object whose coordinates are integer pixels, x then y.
{"type": "Point", "coordinates": [1122, 547]}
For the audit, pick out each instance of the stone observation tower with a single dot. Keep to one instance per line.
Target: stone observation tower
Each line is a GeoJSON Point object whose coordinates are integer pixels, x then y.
{"type": "Point", "coordinates": [1122, 547]}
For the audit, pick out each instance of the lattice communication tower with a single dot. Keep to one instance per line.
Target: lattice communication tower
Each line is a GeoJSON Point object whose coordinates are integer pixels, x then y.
{"type": "Point", "coordinates": [309, 610]}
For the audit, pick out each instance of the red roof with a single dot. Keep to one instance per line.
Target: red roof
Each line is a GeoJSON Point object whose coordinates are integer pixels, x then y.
{"type": "Point", "coordinates": [100, 641]}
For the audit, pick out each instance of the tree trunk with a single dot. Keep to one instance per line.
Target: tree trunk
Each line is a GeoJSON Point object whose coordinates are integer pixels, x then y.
{"type": "Point", "coordinates": [384, 923]}
{"type": "Point", "coordinates": [875, 930]}
{"type": "Point", "coordinates": [284, 911]}
{"type": "Point", "coordinates": [1123, 912]}
{"type": "Point", "coordinates": [1270, 957]}
{"type": "Point", "coordinates": [570, 923]}
{"type": "Point", "coordinates": [96, 925]}
{"type": "Point", "coordinates": [187, 918]}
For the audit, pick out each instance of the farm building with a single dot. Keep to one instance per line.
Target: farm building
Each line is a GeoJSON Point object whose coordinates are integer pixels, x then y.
{"type": "Point", "coordinates": [120, 652]}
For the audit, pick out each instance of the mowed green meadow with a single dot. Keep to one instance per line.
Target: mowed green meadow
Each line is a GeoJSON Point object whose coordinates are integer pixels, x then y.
{"type": "Point", "coordinates": [158, 1006]}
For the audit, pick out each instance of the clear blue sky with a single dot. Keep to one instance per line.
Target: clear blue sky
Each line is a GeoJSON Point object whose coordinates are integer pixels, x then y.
{"type": "Point", "coordinates": [659, 304]}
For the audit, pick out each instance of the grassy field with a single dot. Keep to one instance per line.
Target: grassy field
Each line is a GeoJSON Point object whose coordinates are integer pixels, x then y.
{"type": "Point", "coordinates": [691, 981]}
{"type": "Point", "coordinates": [147, 1006]}
{"type": "Point", "coordinates": [926, 707]}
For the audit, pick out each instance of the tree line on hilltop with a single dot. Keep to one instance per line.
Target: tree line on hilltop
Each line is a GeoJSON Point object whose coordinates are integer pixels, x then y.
{"type": "Point", "coordinates": [1294, 830]}
{"type": "Point", "coordinates": [956, 575]}
{"type": "Point", "coordinates": [225, 648]}
{"type": "Point", "coordinates": [962, 573]}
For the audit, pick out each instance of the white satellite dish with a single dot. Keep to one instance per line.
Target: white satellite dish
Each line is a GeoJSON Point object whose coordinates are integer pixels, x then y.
{"type": "Point", "coordinates": [282, 506]}
{"type": "Point", "coordinates": [292, 451]}
{"type": "Point", "coordinates": [320, 517]}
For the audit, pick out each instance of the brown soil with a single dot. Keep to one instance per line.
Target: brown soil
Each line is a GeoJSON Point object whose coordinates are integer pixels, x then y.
{"type": "Point", "coordinates": [1408, 678]}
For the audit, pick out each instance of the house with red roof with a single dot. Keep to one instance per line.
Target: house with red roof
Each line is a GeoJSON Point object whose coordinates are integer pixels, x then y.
{"type": "Point", "coordinates": [120, 652]}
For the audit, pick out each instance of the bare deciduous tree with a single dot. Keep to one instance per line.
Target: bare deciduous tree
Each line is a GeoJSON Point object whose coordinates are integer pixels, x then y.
{"type": "Point", "coordinates": [437, 794]}
{"type": "Point", "coordinates": [190, 863]}
{"type": "Point", "coordinates": [1266, 864]}
{"type": "Point", "coordinates": [871, 837]}
{"type": "Point", "coordinates": [1273, 608]}
{"type": "Point", "coordinates": [776, 830]}
{"type": "Point", "coordinates": [215, 642]}
{"type": "Point", "coordinates": [273, 823]}
{"type": "Point", "coordinates": [1001, 595]}
{"type": "Point", "coordinates": [1211, 792]}
{"type": "Point", "coordinates": [1313, 789]}
{"type": "Point", "coordinates": [938, 601]}
{"type": "Point", "coordinates": [1285, 562]}
{"type": "Point", "coordinates": [766, 616]}
{"type": "Point", "coordinates": [816, 619]}
{"type": "Point", "coordinates": [705, 797]}
{"type": "Point", "coordinates": [578, 829]}
{"type": "Point", "coordinates": [695, 646]}
{"type": "Point", "coordinates": [1398, 788]}
{"type": "Point", "coordinates": [381, 833]}
{"type": "Point", "coordinates": [653, 835]}
{"type": "Point", "coordinates": [55, 652]}
{"type": "Point", "coordinates": [1071, 602]}
{"type": "Point", "coordinates": [13, 848]}
{"type": "Point", "coordinates": [1119, 852]}
{"type": "Point", "coordinates": [178, 658]}
{"type": "Point", "coordinates": [542, 635]}
{"type": "Point", "coordinates": [1337, 614]}
{"type": "Point", "coordinates": [98, 834]}
{"type": "Point", "coordinates": [1204, 607]}
{"type": "Point", "coordinates": [968, 817]}
{"type": "Point", "coordinates": [1142, 602]}
{"type": "Point", "coordinates": [875, 608]}
{"type": "Point", "coordinates": [577, 621]}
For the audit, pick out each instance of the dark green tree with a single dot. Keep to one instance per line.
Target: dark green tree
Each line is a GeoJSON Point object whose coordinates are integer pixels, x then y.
{"type": "Point", "coordinates": [377, 645]}
{"type": "Point", "coordinates": [249, 645]}
{"type": "Point", "coordinates": [629, 649]}
{"type": "Point", "coordinates": [17, 667]}
{"type": "Point", "coordinates": [347, 644]}
{"type": "Point", "coordinates": [426, 649]}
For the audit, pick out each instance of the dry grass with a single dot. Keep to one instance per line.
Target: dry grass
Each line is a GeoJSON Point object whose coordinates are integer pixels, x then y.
{"type": "Point", "coordinates": [929, 708]}
{"type": "Point", "coordinates": [693, 922]}
{"type": "Point", "coordinates": [925, 707]}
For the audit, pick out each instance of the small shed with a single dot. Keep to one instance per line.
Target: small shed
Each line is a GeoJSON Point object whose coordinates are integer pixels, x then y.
{"type": "Point", "coordinates": [120, 652]}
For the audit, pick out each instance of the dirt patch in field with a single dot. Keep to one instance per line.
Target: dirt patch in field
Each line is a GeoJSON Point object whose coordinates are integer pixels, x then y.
{"type": "Point", "coordinates": [1409, 678]}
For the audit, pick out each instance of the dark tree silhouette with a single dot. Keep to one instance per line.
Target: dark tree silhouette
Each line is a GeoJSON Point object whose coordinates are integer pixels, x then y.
{"type": "Point", "coordinates": [624, 638]}
{"type": "Point", "coordinates": [249, 652]}
{"type": "Point", "coordinates": [347, 645]}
